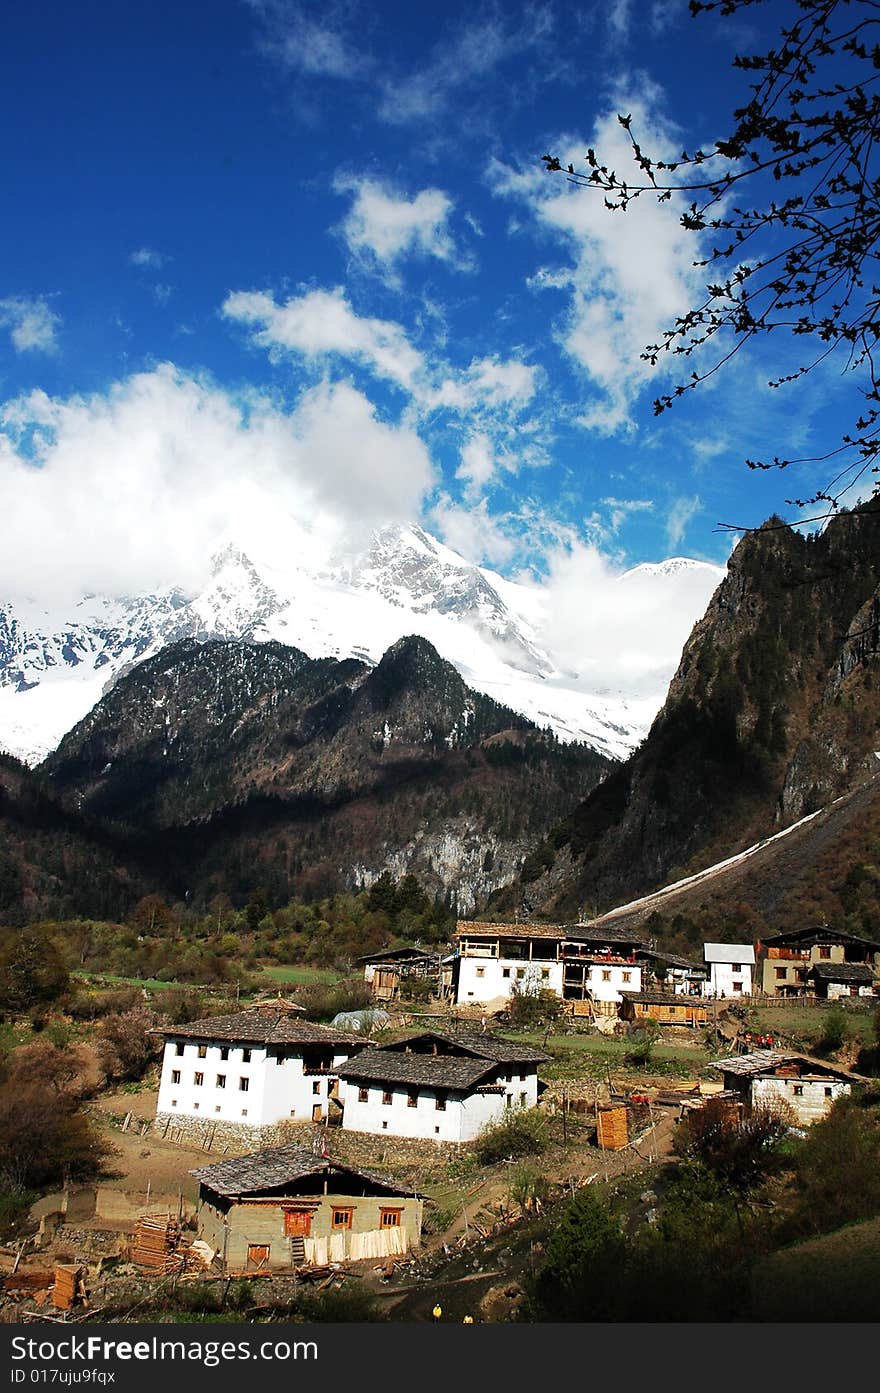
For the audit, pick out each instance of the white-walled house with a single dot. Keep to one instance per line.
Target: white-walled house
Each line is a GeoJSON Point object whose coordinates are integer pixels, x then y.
{"type": "Point", "coordinates": [438, 1087]}
{"type": "Point", "coordinates": [839, 981]}
{"type": "Point", "coordinates": [246, 1073]}
{"type": "Point", "coordinates": [588, 965]}
{"type": "Point", "coordinates": [766, 1078]}
{"type": "Point", "coordinates": [495, 959]}
{"type": "Point", "coordinates": [730, 969]}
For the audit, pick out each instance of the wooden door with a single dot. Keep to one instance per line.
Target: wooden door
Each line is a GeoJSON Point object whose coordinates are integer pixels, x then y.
{"type": "Point", "coordinates": [297, 1223]}
{"type": "Point", "coordinates": [258, 1254]}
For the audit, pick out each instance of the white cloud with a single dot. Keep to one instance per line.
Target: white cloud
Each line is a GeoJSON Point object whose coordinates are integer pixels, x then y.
{"type": "Point", "coordinates": [619, 16]}
{"type": "Point", "coordinates": [492, 384]}
{"type": "Point", "coordinates": [477, 464]}
{"type": "Point", "coordinates": [134, 489]}
{"type": "Point", "coordinates": [683, 510]}
{"type": "Point", "coordinates": [383, 225]}
{"type": "Point", "coordinates": [472, 531]}
{"type": "Point", "coordinates": [463, 60]}
{"type": "Point", "coordinates": [619, 509]}
{"type": "Point", "coordinates": [322, 323]}
{"type": "Point", "coordinates": [149, 257]}
{"type": "Point", "coordinates": [612, 628]}
{"type": "Point", "coordinates": [632, 272]}
{"type": "Point", "coordinates": [31, 323]}
{"type": "Point", "coordinates": [310, 46]}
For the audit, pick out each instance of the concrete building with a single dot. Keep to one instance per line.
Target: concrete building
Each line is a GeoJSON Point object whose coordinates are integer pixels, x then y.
{"type": "Point", "coordinates": [240, 1076]}
{"type": "Point", "coordinates": [285, 1206]}
{"type": "Point", "coordinates": [730, 969]}
{"type": "Point", "coordinates": [438, 1087]}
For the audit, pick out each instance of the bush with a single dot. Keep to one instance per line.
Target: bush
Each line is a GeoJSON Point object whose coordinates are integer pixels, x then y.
{"type": "Point", "coordinates": [833, 1031]}
{"type": "Point", "coordinates": [643, 1041]}
{"type": "Point", "coordinates": [91, 1005]}
{"type": "Point", "coordinates": [740, 1150]}
{"type": "Point", "coordinates": [44, 1138]}
{"type": "Point", "coordinates": [126, 1048]}
{"type": "Point", "coordinates": [534, 1007]}
{"type": "Point", "coordinates": [582, 1277]}
{"type": "Point", "coordinates": [32, 970]}
{"type": "Point", "coordinates": [323, 1002]}
{"type": "Point", "coordinates": [522, 1133]}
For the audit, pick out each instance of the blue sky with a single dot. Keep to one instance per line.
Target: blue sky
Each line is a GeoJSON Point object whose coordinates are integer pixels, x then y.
{"type": "Point", "coordinates": [265, 258]}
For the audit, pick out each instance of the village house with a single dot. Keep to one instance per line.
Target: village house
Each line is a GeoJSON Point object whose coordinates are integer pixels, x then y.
{"type": "Point", "coordinates": [730, 969]}
{"type": "Point", "coordinates": [787, 959]}
{"type": "Point", "coordinates": [240, 1076]}
{"type": "Point", "coordinates": [385, 970]}
{"type": "Point", "coordinates": [836, 981]}
{"type": "Point", "coordinates": [670, 973]}
{"type": "Point", "coordinates": [586, 965]}
{"type": "Point", "coordinates": [493, 960]}
{"type": "Point", "coordinates": [768, 1077]}
{"type": "Point", "coordinates": [438, 1087]}
{"type": "Point", "coordinates": [666, 1008]}
{"type": "Point", "coordinates": [286, 1206]}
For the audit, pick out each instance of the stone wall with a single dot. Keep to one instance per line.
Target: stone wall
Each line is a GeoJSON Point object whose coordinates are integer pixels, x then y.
{"type": "Point", "coordinates": [224, 1137]}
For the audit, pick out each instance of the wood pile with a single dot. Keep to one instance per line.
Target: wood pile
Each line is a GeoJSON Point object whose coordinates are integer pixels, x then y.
{"type": "Point", "coordinates": [28, 1282]}
{"type": "Point", "coordinates": [157, 1239]}
{"type": "Point", "coordinates": [69, 1286]}
{"type": "Point", "coordinates": [160, 1247]}
{"type": "Point", "coordinates": [611, 1128]}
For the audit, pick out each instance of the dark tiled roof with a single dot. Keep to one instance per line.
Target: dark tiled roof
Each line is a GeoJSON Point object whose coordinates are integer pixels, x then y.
{"type": "Point", "coordinates": [842, 972]}
{"type": "Point", "coordinates": [431, 1070]}
{"type": "Point", "coordinates": [767, 1061]}
{"type": "Point", "coordinates": [393, 955]}
{"type": "Point", "coordinates": [673, 960]}
{"type": "Point", "coordinates": [264, 1027]}
{"type": "Point", "coordinates": [665, 999]}
{"type": "Point", "coordinates": [821, 934]}
{"type": "Point", "coordinates": [477, 929]}
{"type": "Point", "coordinates": [481, 1043]}
{"type": "Point", "coordinates": [602, 933]}
{"type": "Point", "coordinates": [278, 1166]}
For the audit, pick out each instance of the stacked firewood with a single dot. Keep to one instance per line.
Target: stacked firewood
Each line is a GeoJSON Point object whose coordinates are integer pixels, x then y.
{"type": "Point", "coordinates": [157, 1244]}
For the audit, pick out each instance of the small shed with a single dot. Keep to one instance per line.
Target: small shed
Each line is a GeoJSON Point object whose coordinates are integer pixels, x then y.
{"type": "Point", "coordinates": [765, 1078]}
{"type": "Point", "coordinates": [665, 1008]}
{"type": "Point", "coordinates": [835, 980]}
{"type": "Point", "coordinates": [286, 1207]}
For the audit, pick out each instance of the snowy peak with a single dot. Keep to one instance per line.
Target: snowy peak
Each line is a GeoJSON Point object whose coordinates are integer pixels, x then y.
{"type": "Point", "coordinates": [54, 666]}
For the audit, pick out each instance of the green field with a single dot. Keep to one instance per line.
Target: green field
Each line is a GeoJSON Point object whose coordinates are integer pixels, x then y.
{"type": "Point", "coordinates": [303, 976]}
{"type": "Point", "coordinates": [806, 1023]}
{"type": "Point", "coordinates": [592, 1055]}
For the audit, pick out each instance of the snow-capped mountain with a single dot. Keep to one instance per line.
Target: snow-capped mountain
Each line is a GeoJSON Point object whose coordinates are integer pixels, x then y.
{"type": "Point", "coordinates": [54, 667]}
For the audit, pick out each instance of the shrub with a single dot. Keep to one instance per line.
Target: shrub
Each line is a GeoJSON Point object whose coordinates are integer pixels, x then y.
{"type": "Point", "coordinates": [44, 1138]}
{"type": "Point", "coordinates": [32, 970]}
{"type": "Point", "coordinates": [583, 1273]}
{"type": "Point", "coordinates": [530, 1007]}
{"type": "Point", "coordinates": [522, 1133]}
{"type": "Point", "coordinates": [91, 1005]}
{"type": "Point", "coordinates": [643, 1041]}
{"type": "Point", "coordinates": [126, 1048]}
{"type": "Point", "coordinates": [323, 1002]}
{"type": "Point", "coordinates": [833, 1031]}
{"type": "Point", "coordinates": [740, 1150]}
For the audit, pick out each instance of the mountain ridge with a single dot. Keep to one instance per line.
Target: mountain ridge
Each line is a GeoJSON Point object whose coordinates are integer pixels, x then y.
{"type": "Point", "coordinates": [55, 666]}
